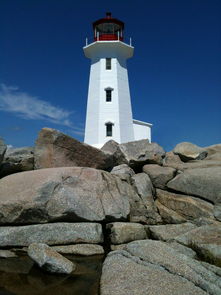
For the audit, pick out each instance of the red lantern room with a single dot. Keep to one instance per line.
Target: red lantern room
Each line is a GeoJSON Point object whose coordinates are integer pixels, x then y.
{"type": "Point", "coordinates": [108, 29]}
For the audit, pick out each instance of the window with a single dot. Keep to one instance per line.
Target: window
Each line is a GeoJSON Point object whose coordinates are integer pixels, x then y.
{"type": "Point", "coordinates": [109, 129]}
{"type": "Point", "coordinates": [108, 63]}
{"type": "Point", "coordinates": [108, 94]}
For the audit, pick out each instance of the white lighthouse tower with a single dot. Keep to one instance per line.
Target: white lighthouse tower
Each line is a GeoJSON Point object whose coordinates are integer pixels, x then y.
{"type": "Point", "coordinates": [109, 113]}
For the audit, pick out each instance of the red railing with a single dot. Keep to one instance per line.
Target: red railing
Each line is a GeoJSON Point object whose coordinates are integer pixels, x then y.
{"type": "Point", "coordinates": [107, 37]}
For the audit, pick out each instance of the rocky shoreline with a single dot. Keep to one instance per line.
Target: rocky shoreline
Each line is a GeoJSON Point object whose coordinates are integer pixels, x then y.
{"type": "Point", "coordinates": [156, 214]}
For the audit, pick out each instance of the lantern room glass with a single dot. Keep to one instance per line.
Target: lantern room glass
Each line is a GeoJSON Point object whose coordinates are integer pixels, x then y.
{"type": "Point", "coordinates": [108, 31]}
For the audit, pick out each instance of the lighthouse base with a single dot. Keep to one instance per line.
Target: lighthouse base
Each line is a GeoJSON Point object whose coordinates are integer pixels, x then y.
{"type": "Point", "coordinates": [142, 130]}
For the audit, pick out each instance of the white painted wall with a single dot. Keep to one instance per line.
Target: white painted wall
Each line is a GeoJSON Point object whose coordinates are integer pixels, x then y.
{"type": "Point", "coordinates": [142, 130]}
{"type": "Point", "coordinates": [118, 111]}
{"type": "Point", "coordinates": [92, 114]}
{"type": "Point", "coordinates": [125, 110]}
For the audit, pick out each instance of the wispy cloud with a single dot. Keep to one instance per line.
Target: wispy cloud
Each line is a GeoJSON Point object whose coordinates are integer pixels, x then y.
{"type": "Point", "coordinates": [30, 107]}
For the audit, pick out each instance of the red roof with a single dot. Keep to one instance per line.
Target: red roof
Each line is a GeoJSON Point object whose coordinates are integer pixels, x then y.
{"type": "Point", "coordinates": [108, 19]}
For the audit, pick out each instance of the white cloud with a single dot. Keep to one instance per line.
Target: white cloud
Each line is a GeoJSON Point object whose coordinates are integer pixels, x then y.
{"type": "Point", "coordinates": [29, 107]}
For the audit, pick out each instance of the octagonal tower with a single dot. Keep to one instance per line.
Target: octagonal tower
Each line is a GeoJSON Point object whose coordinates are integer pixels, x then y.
{"type": "Point", "coordinates": [109, 114]}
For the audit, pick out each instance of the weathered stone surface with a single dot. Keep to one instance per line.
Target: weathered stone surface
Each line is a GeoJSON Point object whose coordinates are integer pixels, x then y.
{"type": "Point", "coordinates": [111, 147]}
{"type": "Point", "coordinates": [195, 164]}
{"type": "Point", "coordinates": [182, 249]}
{"type": "Point", "coordinates": [160, 254]}
{"type": "Point", "coordinates": [3, 148]}
{"type": "Point", "coordinates": [168, 215]}
{"type": "Point", "coordinates": [188, 151]}
{"type": "Point", "coordinates": [171, 159]}
{"type": "Point", "coordinates": [169, 231]}
{"type": "Point", "coordinates": [7, 254]}
{"type": "Point", "coordinates": [213, 159]}
{"type": "Point", "coordinates": [124, 232]}
{"type": "Point", "coordinates": [135, 153]}
{"type": "Point", "coordinates": [201, 182]}
{"type": "Point", "coordinates": [55, 149]}
{"type": "Point", "coordinates": [205, 221]}
{"type": "Point", "coordinates": [51, 234]}
{"type": "Point", "coordinates": [63, 194]}
{"type": "Point", "coordinates": [17, 160]}
{"type": "Point", "coordinates": [123, 171]}
{"type": "Point", "coordinates": [142, 204]}
{"type": "Point", "coordinates": [211, 267]}
{"type": "Point", "coordinates": [214, 153]}
{"type": "Point", "coordinates": [131, 275]}
{"type": "Point", "coordinates": [141, 152]}
{"type": "Point", "coordinates": [49, 259]}
{"type": "Point", "coordinates": [206, 241]}
{"type": "Point", "coordinates": [217, 212]}
{"type": "Point", "coordinates": [159, 175]}
{"type": "Point", "coordinates": [184, 207]}
{"type": "Point", "coordinates": [143, 185]}
{"type": "Point", "coordinates": [117, 247]}
{"type": "Point", "coordinates": [80, 249]}
{"type": "Point", "coordinates": [210, 252]}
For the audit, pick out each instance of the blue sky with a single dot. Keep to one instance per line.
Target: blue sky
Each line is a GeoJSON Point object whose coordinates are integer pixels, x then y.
{"type": "Point", "coordinates": [175, 74]}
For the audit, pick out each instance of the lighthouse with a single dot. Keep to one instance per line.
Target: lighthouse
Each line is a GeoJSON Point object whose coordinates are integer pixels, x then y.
{"type": "Point", "coordinates": [109, 112]}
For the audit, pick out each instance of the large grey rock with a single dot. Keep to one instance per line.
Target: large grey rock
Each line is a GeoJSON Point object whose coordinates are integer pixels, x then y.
{"type": "Point", "coordinates": [168, 215]}
{"type": "Point", "coordinates": [213, 159]}
{"type": "Point", "coordinates": [141, 152]}
{"type": "Point", "coordinates": [171, 159]}
{"type": "Point", "coordinates": [135, 153]}
{"type": "Point", "coordinates": [51, 234]}
{"type": "Point", "coordinates": [182, 249]}
{"type": "Point", "coordinates": [206, 241]}
{"type": "Point", "coordinates": [3, 148]}
{"type": "Point", "coordinates": [7, 254]}
{"type": "Point", "coordinates": [124, 273]}
{"type": "Point", "coordinates": [188, 151]}
{"type": "Point", "coordinates": [55, 149]}
{"type": "Point", "coordinates": [217, 212]}
{"type": "Point", "coordinates": [144, 187]}
{"type": "Point", "coordinates": [213, 153]}
{"type": "Point", "coordinates": [117, 247]}
{"type": "Point", "coordinates": [211, 267]}
{"type": "Point", "coordinates": [204, 183]}
{"type": "Point", "coordinates": [17, 160]}
{"type": "Point", "coordinates": [124, 232]}
{"type": "Point", "coordinates": [80, 249]}
{"type": "Point", "coordinates": [210, 252]}
{"type": "Point", "coordinates": [123, 171]}
{"type": "Point", "coordinates": [159, 175]}
{"type": "Point", "coordinates": [205, 221]}
{"type": "Point", "coordinates": [142, 204]}
{"type": "Point", "coordinates": [169, 231]}
{"type": "Point", "coordinates": [63, 194]}
{"type": "Point", "coordinates": [49, 259]}
{"type": "Point", "coordinates": [176, 208]}
{"type": "Point", "coordinates": [161, 254]}
{"type": "Point", "coordinates": [195, 164]}
{"type": "Point", "coordinates": [111, 147]}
